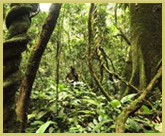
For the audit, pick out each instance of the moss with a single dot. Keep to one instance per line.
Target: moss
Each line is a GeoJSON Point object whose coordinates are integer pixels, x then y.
{"type": "Point", "coordinates": [146, 43]}
{"type": "Point", "coordinates": [18, 21]}
{"type": "Point", "coordinates": [16, 39]}
{"type": "Point", "coordinates": [12, 79]}
{"type": "Point", "coordinates": [15, 46]}
{"type": "Point", "coordinates": [20, 10]}
{"type": "Point", "coordinates": [19, 27]}
{"type": "Point", "coordinates": [147, 35]}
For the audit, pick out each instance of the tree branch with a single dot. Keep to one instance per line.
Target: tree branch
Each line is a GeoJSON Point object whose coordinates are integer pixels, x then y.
{"type": "Point", "coordinates": [122, 80]}
{"type": "Point", "coordinates": [130, 109]}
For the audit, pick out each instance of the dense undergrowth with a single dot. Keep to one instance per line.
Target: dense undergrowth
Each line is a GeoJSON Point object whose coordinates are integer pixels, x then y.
{"type": "Point", "coordinates": [81, 110]}
{"type": "Point", "coordinates": [78, 108]}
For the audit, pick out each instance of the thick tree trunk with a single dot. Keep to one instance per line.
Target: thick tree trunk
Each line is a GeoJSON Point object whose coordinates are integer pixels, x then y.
{"type": "Point", "coordinates": [34, 61]}
{"type": "Point", "coordinates": [18, 22]}
{"type": "Point", "coordinates": [146, 34]}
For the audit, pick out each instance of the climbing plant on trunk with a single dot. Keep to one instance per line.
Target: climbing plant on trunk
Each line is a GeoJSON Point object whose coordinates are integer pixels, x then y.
{"type": "Point", "coordinates": [146, 39]}
{"type": "Point", "coordinates": [18, 21]}
{"type": "Point", "coordinates": [91, 36]}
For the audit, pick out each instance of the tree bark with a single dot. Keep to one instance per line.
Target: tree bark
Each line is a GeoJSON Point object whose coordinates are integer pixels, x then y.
{"type": "Point", "coordinates": [146, 40]}
{"type": "Point", "coordinates": [18, 22]}
{"type": "Point", "coordinates": [130, 109]}
{"type": "Point", "coordinates": [34, 61]}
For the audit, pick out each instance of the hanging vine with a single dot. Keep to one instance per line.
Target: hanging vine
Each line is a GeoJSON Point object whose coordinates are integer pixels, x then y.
{"type": "Point", "coordinates": [92, 33]}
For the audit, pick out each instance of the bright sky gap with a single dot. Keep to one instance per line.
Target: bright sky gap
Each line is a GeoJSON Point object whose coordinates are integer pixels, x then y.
{"type": "Point", "coordinates": [45, 6]}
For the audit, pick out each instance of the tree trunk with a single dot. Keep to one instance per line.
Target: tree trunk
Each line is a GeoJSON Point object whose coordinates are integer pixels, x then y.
{"type": "Point", "coordinates": [134, 106]}
{"type": "Point", "coordinates": [18, 22]}
{"type": "Point", "coordinates": [34, 61]}
{"type": "Point", "coordinates": [146, 39]}
{"type": "Point", "coordinates": [146, 34]}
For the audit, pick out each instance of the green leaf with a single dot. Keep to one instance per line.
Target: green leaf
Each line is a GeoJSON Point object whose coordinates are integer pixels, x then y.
{"type": "Point", "coordinates": [134, 125]}
{"type": "Point", "coordinates": [99, 125]}
{"type": "Point", "coordinates": [53, 87]}
{"type": "Point", "coordinates": [86, 112]}
{"type": "Point", "coordinates": [115, 103]}
{"type": "Point", "coordinates": [100, 118]}
{"type": "Point", "coordinates": [127, 98]}
{"type": "Point", "coordinates": [144, 121]}
{"type": "Point", "coordinates": [51, 129]}
{"type": "Point", "coordinates": [31, 116]}
{"type": "Point", "coordinates": [91, 125]}
{"type": "Point", "coordinates": [91, 102]}
{"type": "Point", "coordinates": [41, 114]}
{"type": "Point", "coordinates": [104, 116]}
{"type": "Point", "coordinates": [63, 95]}
{"type": "Point", "coordinates": [146, 109]}
{"type": "Point", "coordinates": [95, 121]}
{"type": "Point", "coordinates": [43, 128]}
{"type": "Point", "coordinates": [37, 123]}
{"type": "Point", "coordinates": [112, 126]}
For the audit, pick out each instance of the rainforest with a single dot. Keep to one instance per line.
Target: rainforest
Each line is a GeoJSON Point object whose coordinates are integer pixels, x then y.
{"type": "Point", "coordinates": [82, 68]}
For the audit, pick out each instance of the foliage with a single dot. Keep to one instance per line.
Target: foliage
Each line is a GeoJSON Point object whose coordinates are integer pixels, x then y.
{"type": "Point", "coordinates": [83, 108]}
{"type": "Point", "coordinates": [82, 111]}
{"type": "Point", "coordinates": [79, 109]}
